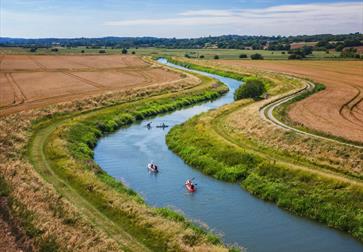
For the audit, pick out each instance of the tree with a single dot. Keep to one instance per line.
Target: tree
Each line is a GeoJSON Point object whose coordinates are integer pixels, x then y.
{"type": "Point", "coordinates": [124, 51]}
{"type": "Point", "coordinates": [33, 49]}
{"type": "Point", "coordinates": [256, 56]}
{"type": "Point", "coordinates": [133, 52]}
{"type": "Point", "coordinates": [82, 51]}
{"type": "Point", "coordinates": [201, 56]}
{"type": "Point", "coordinates": [349, 53]}
{"type": "Point", "coordinates": [102, 51]}
{"type": "Point", "coordinates": [216, 57]}
{"type": "Point", "coordinates": [243, 56]}
{"type": "Point", "coordinates": [252, 88]}
{"type": "Point", "coordinates": [339, 47]}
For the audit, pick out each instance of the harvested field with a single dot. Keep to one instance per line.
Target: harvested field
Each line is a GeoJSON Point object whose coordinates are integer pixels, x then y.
{"type": "Point", "coordinates": [34, 81]}
{"type": "Point", "coordinates": [338, 110]}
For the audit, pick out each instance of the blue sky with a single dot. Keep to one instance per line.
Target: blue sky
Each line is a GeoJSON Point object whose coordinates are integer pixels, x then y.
{"type": "Point", "coordinates": [180, 18]}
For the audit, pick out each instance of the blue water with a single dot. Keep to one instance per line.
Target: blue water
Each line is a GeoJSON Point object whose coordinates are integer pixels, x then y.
{"type": "Point", "coordinates": [226, 208]}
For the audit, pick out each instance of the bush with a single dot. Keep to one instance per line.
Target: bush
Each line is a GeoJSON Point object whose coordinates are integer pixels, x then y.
{"type": "Point", "coordinates": [102, 51]}
{"type": "Point", "coordinates": [295, 56]}
{"type": "Point", "coordinates": [243, 56]}
{"type": "Point", "coordinates": [186, 56]}
{"type": "Point", "coordinates": [216, 57]}
{"type": "Point", "coordinates": [34, 49]}
{"type": "Point", "coordinates": [256, 56]}
{"type": "Point", "coordinates": [201, 56]}
{"type": "Point", "coordinates": [124, 51]}
{"type": "Point", "coordinates": [82, 51]}
{"type": "Point", "coordinates": [54, 49]}
{"type": "Point", "coordinates": [253, 88]}
{"type": "Point", "coordinates": [133, 52]}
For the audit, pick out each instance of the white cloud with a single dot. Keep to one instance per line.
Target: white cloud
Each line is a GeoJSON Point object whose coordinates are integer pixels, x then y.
{"type": "Point", "coordinates": [284, 19]}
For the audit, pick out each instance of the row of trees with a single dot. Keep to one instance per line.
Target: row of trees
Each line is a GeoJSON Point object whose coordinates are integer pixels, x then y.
{"type": "Point", "coordinates": [226, 41]}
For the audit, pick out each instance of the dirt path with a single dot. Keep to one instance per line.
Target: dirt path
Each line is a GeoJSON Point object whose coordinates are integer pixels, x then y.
{"type": "Point", "coordinates": [337, 110]}
{"type": "Point", "coordinates": [266, 113]}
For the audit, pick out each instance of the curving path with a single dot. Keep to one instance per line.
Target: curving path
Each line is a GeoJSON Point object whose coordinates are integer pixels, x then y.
{"type": "Point", "coordinates": [266, 113]}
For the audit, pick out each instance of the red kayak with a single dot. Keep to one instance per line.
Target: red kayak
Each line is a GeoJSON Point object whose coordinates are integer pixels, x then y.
{"type": "Point", "coordinates": [190, 187]}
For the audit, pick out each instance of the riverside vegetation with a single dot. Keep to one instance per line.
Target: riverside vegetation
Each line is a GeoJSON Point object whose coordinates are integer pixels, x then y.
{"type": "Point", "coordinates": [219, 144]}
{"type": "Point", "coordinates": [66, 202]}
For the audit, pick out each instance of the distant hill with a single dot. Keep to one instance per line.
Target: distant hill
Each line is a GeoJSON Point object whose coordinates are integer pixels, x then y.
{"type": "Point", "coordinates": [322, 41]}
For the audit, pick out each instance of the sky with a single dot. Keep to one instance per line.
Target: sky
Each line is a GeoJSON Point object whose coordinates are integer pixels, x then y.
{"type": "Point", "coordinates": [177, 18]}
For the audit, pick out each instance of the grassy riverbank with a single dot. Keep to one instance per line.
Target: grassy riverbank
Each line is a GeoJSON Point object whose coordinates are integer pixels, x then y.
{"type": "Point", "coordinates": [61, 151]}
{"type": "Point", "coordinates": [328, 200]}
{"type": "Point", "coordinates": [209, 143]}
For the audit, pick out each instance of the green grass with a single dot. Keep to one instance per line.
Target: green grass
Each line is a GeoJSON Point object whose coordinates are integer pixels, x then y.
{"type": "Point", "coordinates": [61, 151]}
{"type": "Point", "coordinates": [338, 204]}
{"type": "Point", "coordinates": [194, 53]}
{"type": "Point", "coordinates": [204, 143]}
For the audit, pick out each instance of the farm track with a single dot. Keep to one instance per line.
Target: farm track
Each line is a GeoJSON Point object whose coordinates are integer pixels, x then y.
{"type": "Point", "coordinates": [19, 96]}
{"type": "Point", "coordinates": [266, 113]}
{"type": "Point", "coordinates": [346, 110]}
{"type": "Point", "coordinates": [84, 80]}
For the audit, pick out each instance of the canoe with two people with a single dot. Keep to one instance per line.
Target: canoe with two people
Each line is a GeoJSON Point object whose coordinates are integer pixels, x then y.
{"type": "Point", "coordinates": [163, 125]}
{"type": "Point", "coordinates": [153, 167]}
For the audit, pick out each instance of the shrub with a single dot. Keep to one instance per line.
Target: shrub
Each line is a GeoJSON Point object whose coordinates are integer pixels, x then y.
{"type": "Point", "coordinates": [295, 56]}
{"type": "Point", "coordinates": [34, 49]}
{"type": "Point", "coordinates": [243, 56]}
{"type": "Point", "coordinates": [201, 56]}
{"type": "Point", "coordinates": [102, 51]}
{"type": "Point", "coordinates": [124, 51]}
{"type": "Point", "coordinates": [54, 49]}
{"type": "Point", "coordinates": [133, 52]}
{"type": "Point", "coordinates": [216, 57]}
{"type": "Point", "coordinates": [256, 56]}
{"type": "Point", "coordinates": [253, 88]}
{"type": "Point", "coordinates": [82, 51]}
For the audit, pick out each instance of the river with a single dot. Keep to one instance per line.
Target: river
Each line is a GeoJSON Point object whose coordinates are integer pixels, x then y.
{"type": "Point", "coordinates": [226, 208]}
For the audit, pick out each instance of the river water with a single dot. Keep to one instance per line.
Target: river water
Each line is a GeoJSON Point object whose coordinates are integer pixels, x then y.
{"type": "Point", "coordinates": [227, 209]}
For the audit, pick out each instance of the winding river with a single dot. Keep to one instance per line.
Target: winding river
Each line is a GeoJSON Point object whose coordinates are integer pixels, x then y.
{"type": "Point", "coordinates": [226, 208]}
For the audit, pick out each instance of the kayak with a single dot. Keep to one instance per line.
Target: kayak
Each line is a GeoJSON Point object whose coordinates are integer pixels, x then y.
{"type": "Point", "coordinates": [189, 188]}
{"type": "Point", "coordinates": [152, 169]}
{"type": "Point", "coordinates": [162, 126]}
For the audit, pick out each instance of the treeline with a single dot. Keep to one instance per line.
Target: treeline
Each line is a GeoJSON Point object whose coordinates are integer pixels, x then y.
{"type": "Point", "coordinates": [325, 41]}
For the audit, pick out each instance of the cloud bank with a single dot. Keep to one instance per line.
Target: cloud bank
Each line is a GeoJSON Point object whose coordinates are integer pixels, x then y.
{"type": "Point", "coordinates": [283, 19]}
